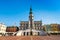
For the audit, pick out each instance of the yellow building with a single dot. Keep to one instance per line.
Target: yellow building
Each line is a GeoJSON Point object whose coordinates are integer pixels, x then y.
{"type": "Point", "coordinates": [54, 27]}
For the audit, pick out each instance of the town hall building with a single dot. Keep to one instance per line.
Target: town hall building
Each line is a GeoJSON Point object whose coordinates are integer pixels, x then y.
{"type": "Point", "coordinates": [30, 27]}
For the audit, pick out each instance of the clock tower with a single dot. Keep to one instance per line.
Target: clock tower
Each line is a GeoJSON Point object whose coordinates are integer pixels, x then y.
{"type": "Point", "coordinates": [31, 22]}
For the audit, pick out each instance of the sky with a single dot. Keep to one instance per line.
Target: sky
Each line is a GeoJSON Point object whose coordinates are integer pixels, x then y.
{"type": "Point", "coordinates": [14, 11]}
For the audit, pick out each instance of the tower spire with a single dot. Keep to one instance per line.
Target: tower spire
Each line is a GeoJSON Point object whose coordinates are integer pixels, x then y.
{"type": "Point", "coordinates": [30, 9]}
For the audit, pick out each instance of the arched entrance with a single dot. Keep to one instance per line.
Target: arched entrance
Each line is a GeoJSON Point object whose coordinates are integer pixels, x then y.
{"type": "Point", "coordinates": [38, 33]}
{"type": "Point", "coordinates": [31, 33]}
{"type": "Point", "coordinates": [27, 33]}
{"type": "Point", "coordinates": [24, 33]}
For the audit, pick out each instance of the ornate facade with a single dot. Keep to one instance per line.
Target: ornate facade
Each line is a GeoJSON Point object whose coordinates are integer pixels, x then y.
{"type": "Point", "coordinates": [30, 27]}
{"type": "Point", "coordinates": [31, 24]}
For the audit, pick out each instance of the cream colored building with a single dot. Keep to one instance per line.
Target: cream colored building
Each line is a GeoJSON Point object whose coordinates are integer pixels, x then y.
{"type": "Point", "coordinates": [2, 29]}
{"type": "Point", "coordinates": [30, 27]}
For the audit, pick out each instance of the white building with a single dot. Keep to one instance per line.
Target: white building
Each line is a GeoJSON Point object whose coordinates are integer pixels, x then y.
{"type": "Point", "coordinates": [2, 29]}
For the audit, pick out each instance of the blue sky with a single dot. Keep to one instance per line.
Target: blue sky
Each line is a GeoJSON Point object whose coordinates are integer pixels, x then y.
{"type": "Point", "coordinates": [14, 11]}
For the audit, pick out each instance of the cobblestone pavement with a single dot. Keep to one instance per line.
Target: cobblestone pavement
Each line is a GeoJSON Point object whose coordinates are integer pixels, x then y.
{"type": "Point", "coordinates": [30, 38]}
